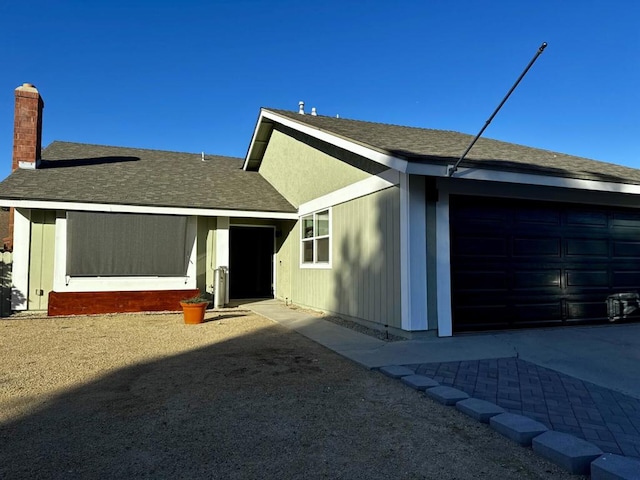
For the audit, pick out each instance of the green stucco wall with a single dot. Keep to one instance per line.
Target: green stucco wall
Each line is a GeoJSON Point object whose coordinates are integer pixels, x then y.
{"type": "Point", "coordinates": [302, 173]}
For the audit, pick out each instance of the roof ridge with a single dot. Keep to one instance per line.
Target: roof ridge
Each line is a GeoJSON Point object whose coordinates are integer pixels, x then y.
{"type": "Point", "coordinates": [277, 110]}
{"type": "Point", "coordinates": [84, 144]}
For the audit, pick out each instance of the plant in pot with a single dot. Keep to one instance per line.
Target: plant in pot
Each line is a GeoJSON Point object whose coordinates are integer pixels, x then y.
{"type": "Point", "coordinates": [193, 309]}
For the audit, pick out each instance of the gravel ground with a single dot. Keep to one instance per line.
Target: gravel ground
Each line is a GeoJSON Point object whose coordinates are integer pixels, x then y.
{"type": "Point", "coordinates": [238, 397]}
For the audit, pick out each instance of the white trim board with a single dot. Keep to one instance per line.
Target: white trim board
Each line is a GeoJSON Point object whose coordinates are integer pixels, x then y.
{"type": "Point", "coordinates": [413, 255]}
{"type": "Point", "coordinates": [524, 179]}
{"type": "Point", "coordinates": [21, 251]}
{"type": "Point", "coordinates": [370, 185]}
{"type": "Point", "coordinates": [105, 207]}
{"type": "Point", "coordinates": [443, 266]}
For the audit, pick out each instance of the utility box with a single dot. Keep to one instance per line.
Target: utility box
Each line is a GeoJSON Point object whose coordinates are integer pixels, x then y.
{"type": "Point", "coordinates": [220, 287]}
{"type": "Point", "coordinates": [621, 305]}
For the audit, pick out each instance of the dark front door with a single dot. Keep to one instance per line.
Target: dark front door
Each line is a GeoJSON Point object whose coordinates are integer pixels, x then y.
{"type": "Point", "coordinates": [524, 263]}
{"type": "Point", "coordinates": [251, 262]}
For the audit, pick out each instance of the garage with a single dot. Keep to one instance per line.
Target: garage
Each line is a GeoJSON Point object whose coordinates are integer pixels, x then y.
{"type": "Point", "coordinates": [523, 263]}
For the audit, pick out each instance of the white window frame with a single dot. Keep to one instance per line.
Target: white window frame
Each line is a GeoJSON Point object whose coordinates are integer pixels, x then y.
{"type": "Point", "coordinates": [314, 239]}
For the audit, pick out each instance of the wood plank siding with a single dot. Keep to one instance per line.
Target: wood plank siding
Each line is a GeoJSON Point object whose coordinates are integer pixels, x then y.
{"type": "Point", "coordinates": [364, 280]}
{"type": "Point", "coordinates": [41, 258]}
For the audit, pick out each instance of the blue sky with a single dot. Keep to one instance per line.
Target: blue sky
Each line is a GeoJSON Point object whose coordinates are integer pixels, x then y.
{"type": "Point", "coordinates": [192, 75]}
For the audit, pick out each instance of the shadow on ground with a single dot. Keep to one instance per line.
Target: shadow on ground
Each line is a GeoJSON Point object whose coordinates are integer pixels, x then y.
{"type": "Point", "coordinates": [271, 404]}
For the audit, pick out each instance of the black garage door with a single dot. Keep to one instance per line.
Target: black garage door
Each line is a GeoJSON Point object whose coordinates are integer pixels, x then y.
{"type": "Point", "coordinates": [523, 263]}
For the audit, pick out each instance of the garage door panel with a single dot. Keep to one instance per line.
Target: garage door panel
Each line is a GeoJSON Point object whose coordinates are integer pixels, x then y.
{"type": "Point", "coordinates": [538, 217]}
{"type": "Point", "coordinates": [629, 220]}
{"type": "Point", "coordinates": [533, 312]}
{"type": "Point", "coordinates": [587, 248]}
{"type": "Point", "coordinates": [537, 246]}
{"type": "Point", "coordinates": [545, 264]}
{"type": "Point", "coordinates": [587, 218]}
{"type": "Point", "coordinates": [587, 278]}
{"type": "Point", "coordinates": [482, 281]}
{"type": "Point", "coordinates": [585, 310]}
{"type": "Point", "coordinates": [477, 246]}
{"type": "Point", "coordinates": [484, 215]}
{"type": "Point", "coordinates": [626, 249]}
{"type": "Point", "coordinates": [626, 280]}
{"type": "Point", "coordinates": [538, 279]}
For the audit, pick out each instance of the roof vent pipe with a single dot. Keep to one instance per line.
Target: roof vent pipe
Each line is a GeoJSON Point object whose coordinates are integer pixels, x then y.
{"type": "Point", "coordinates": [301, 109]}
{"type": "Point", "coordinates": [313, 111]}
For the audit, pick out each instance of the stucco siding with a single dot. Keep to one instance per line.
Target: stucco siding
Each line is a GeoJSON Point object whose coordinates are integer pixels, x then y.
{"type": "Point", "coordinates": [364, 280]}
{"type": "Point", "coordinates": [301, 173]}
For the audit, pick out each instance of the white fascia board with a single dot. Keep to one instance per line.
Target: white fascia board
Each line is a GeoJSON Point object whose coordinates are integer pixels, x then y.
{"type": "Point", "coordinates": [254, 136]}
{"type": "Point", "coordinates": [95, 207]}
{"type": "Point", "coordinates": [383, 158]}
{"type": "Point", "coordinates": [525, 179]}
{"type": "Point", "coordinates": [370, 185]}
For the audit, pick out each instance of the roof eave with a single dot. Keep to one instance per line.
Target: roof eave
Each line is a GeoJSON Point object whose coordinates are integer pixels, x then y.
{"type": "Point", "coordinates": [148, 209]}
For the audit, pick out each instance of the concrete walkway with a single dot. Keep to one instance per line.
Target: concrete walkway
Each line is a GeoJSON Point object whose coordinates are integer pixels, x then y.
{"type": "Point", "coordinates": [579, 380]}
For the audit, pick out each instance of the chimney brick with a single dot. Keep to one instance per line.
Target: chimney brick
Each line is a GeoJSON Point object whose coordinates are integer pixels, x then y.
{"type": "Point", "coordinates": [27, 127]}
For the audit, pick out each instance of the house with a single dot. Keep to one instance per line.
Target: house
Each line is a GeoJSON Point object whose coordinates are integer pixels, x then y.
{"type": "Point", "coordinates": [365, 220]}
{"type": "Point", "coordinates": [99, 229]}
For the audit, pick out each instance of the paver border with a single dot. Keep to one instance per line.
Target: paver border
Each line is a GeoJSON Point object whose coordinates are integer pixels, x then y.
{"type": "Point", "coordinates": [605, 466]}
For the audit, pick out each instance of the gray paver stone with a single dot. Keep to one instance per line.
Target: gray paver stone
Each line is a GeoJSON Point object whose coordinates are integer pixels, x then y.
{"type": "Point", "coordinates": [419, 382]}
{"type": "Point", "coordinates": [615, 467]}
{"type": "Point", "coordinates": [446, 395]}
{"type": "Point", "coordinates": [396, 371]}
{"type": "Point", "coordinates": [518, 428]}
{"type": "Point", "coordinates": [481, 410]}
{"type": "Point", "coordinates": [571, 453]}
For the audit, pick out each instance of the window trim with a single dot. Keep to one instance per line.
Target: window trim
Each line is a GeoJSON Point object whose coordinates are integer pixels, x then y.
{"type": "Point", "coordinates": [303, 239]}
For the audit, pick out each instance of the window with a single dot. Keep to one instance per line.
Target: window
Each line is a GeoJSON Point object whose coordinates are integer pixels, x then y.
{"type": "Point", "coordinates": [126, 244]}
{"type": "Point", "coordinates": [316, 238]}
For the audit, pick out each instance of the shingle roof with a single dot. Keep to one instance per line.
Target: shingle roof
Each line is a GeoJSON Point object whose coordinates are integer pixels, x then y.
{"type": "Point", "coordinates": [420, 145]}
{"type": "Point", "coordinates": [75, 172]}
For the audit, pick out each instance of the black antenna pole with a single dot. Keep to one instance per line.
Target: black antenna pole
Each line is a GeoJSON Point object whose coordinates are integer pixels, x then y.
{"type": "Point", "coordinates": [452, 169]}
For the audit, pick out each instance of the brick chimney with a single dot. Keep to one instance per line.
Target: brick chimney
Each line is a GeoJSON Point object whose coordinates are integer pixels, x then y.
{"type": "Point", "coordinates": [27, 127]}
{"type": "Point", "coordinates": [27, 139]}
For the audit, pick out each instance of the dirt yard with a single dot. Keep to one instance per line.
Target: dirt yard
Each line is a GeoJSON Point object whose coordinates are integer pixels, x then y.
{"type": "Point", "coordinates": [238, 397]}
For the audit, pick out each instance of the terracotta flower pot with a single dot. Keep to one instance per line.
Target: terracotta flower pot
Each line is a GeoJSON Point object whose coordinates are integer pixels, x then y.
{"type": "Point", "coordinates": [193, 312]}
